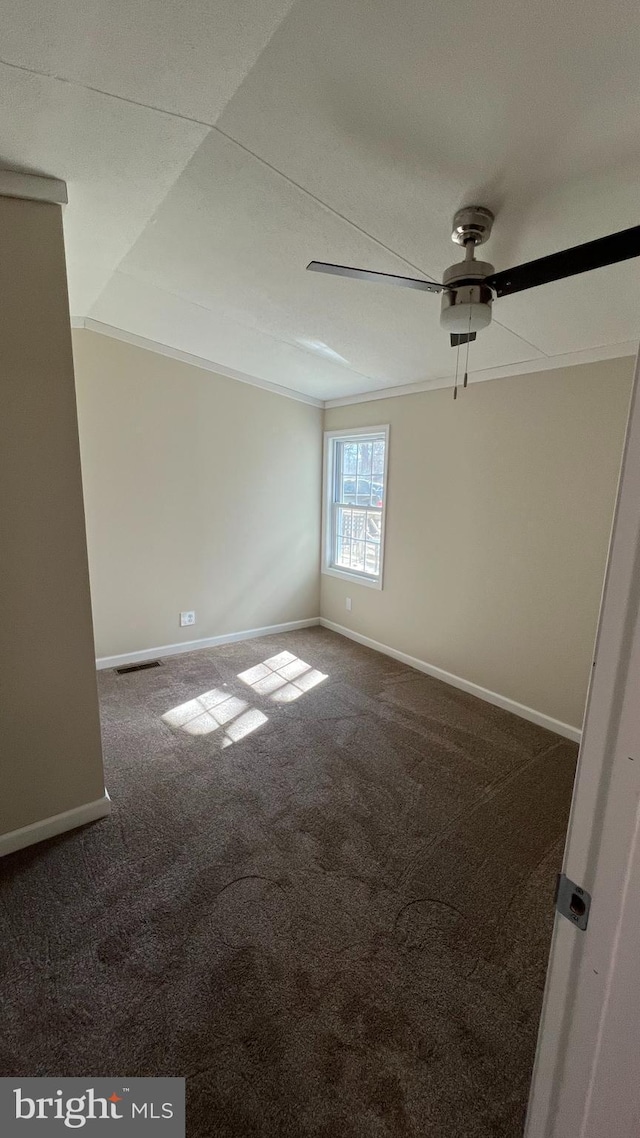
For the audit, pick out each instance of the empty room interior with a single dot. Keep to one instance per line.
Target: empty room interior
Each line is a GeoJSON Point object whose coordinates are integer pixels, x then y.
{"type": "Point", "coordinates": [318, 337]}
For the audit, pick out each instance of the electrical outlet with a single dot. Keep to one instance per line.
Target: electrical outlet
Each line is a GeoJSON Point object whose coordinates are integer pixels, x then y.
{"type": "Point", "coordinates": [348, 603]}
{"type": "Point", "coordinates": [187, 618]}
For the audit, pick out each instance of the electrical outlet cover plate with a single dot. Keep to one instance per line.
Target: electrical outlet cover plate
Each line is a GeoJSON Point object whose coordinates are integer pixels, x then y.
{"type": "Point", "coordinates": [187, 618]}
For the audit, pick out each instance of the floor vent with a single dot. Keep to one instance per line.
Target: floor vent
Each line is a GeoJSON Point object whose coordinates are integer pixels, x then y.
{"type": "Point", "coordinates": [138, 667]}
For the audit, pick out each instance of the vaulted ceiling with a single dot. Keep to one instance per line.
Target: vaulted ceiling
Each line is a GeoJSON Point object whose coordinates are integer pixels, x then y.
{"type": "Point", "coordinates": [213, 147]}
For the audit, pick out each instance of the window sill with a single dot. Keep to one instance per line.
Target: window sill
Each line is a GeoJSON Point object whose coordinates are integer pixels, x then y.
{"type": "Point", "coordinates": [353, 578]}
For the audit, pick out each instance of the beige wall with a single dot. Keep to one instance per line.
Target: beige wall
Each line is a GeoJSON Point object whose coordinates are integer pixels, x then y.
{"type": "Point", "coordinates": [201, 493]}
{"type": "Point", "coordinates": [498, 518]}
{"type": "Point", "coordinates": [50, 753]}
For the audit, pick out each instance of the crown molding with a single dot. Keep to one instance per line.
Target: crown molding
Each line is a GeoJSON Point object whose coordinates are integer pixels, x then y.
{"type": "Point", "coordinates": [527, 367]}
{"type": "Point", "coordinates": [196, 361]}
{"type": "Point", "coordinates": [32, 187]}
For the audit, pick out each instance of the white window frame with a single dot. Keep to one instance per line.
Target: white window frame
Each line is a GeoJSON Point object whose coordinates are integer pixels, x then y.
{"type": "Point", "coordinates": [353, 575]}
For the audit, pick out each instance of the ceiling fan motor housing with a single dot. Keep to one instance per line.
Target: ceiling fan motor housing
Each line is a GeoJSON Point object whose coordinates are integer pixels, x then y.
{"type": "Point", "coordinates": [466, 300]}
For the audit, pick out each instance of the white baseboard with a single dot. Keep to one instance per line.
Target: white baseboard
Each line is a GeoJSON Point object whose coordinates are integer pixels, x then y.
{"type": "Point", "coordinates": [58, 824]}
{"type": "Point", "coordinates": [538, 717]}
{"type": "Point", "coordinates": [206, 642]}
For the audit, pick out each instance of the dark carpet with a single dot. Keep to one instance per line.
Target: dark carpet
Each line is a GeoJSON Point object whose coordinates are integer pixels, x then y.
{"type": "Point", "coordinates": [327, 902]}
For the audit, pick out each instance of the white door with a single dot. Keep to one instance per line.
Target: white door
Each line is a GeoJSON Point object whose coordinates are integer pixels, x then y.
{"type": "Point", "coordinates": [586, 1081]}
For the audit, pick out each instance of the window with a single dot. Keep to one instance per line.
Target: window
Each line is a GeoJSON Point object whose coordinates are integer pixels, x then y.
{"type": "Point", "coordinates": [354, 504]}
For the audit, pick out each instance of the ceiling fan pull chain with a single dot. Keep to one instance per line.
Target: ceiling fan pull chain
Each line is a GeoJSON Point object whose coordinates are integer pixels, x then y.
{"type": "Point", "coordinates": [455, 385]}
{"type": "Point", "coordinates": [466, 362]}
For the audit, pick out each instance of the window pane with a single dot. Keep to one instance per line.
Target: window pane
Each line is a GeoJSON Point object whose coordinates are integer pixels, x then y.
{"type": "Point", "coordinates": [358, 523]}
{"type": "Point", "coordinates": [343, 554]}
{"type": "Point", "coordinates": [364, 458]}
{"type": "Point", "coordinates": [377, 465]}
{"type": "Point", "coordinates": [348, 490]}
{"type": "Point", "coordinates": [349, 457]}
{"type": "Point", "coordinates": [374, 523]}
{"type": "Point", "coordinates": [372, 558]}
{"type": "Point", "coordinates": [357, 555]}
{"type": "Point", "coordinates": [363, 497]}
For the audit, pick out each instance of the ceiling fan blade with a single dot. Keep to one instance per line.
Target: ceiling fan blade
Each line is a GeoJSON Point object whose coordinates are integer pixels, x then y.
{"type": "Point", "coordinates": [462, 338]}
{"type": "Point", "coordinates": [367, 275]}
{"type": "Point", "coordinates": [580, 259]}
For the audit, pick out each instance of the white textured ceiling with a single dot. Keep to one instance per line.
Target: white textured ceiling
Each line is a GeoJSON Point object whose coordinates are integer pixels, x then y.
{"type": "Point", "coordinates": [212, 149]}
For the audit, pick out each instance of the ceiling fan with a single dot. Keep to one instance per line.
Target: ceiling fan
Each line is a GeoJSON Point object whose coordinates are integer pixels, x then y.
{"type": "Point", "coordinates": [468, 288]}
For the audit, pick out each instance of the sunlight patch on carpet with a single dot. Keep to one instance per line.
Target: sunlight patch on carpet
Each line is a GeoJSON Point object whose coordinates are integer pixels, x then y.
{"type": "Point", "coordinates": [214, 710]}
{"type": "Point", "coordinates": [284, 678]}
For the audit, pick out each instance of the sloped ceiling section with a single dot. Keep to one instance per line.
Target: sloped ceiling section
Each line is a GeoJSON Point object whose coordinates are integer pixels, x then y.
{"type": "Point", "coordinates": [118, 159]}
{"type": "Point", "coordinates": [114, 97]}
{"type": "Point", "coordinates": [213, 149]}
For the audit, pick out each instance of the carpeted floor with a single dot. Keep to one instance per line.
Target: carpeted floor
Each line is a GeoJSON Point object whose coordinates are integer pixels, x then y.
{"type": "Point", "coordinates": [327, 902]}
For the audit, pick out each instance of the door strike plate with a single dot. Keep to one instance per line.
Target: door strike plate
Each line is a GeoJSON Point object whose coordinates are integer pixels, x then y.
{"type": "Point", "coordinates": [572, 901]}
